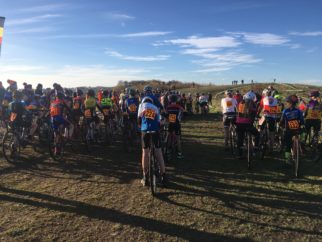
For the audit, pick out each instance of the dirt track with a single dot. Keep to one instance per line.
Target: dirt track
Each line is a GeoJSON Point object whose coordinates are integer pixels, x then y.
{"type": "Point", "coordinates": [212, 196]}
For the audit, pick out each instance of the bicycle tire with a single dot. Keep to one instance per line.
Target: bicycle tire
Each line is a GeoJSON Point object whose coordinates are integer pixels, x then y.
{"type": "Point", "coordinates": [249, 151]}
{"type": "Point", "coordinates": [10, 146]}
{"type": "Point", "coordinates": [296, 154]}
{"type": "Point", "coordinates": [52, 146]}
{"type": "Point", "coordinates": [152, 173]}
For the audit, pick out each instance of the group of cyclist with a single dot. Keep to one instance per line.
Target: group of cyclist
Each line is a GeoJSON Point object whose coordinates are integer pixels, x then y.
{"type": "Point", "coordinates": [147, 113]}
{"type": "Point", "coordinates": [253, 112]}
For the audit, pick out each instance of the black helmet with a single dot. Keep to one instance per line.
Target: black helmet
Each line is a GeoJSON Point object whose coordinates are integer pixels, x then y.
{"type": "Point", "coordinates": [173, 98]}
{"type": "Point", "coordinates": [79, 92]}
{"type": "Point", "coordinates": [91, 93]}
{"type": "Point", "coordinates": [105, 93]}
{"type": "Point", "coordinates": [59, 94]}
{"type": "Point", "coordinates": [147, 89]}
{"type": "Point", "coordinates": [132, 92]}
{"type": "Point", "coordinates": [293, 99]}
{"type": "Point", "coordinates": [314, 93]}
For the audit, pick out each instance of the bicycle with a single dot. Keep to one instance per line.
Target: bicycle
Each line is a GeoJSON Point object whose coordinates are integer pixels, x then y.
{"type": "Point", "coordinates": [296, 152]}
{"type": "Point", "coordinates": [154, 169]}
{"type": "Point", "coordinates": [15, 138]}
{"type": "Point", "coordinates": [130, 139]}
{"type": "Point", "coordinates": [108, 126]}
{"type": "Point", "coordinates": [232, 135]}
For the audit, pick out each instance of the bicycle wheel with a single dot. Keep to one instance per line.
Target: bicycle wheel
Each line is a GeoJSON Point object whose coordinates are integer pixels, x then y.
{"type": "Point", "coordinates": [296, 156]}
{"type": "Point", "coordinates": [88, 138]}
{"type": "Point", "coordinates": [233, 139]}
{"type": "Point", "coordinates": [11, 146]}
{"type": "Point", "coordinates": [263, 144]}
{"type": "Point", "coordinates": [56, 150]}
{"type": "Point", "coordinates": [152, 172]}
{"type": "Point", "coordinates": [249, 151]}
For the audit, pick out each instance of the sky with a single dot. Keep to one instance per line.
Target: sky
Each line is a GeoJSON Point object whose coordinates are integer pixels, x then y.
{"type": "Point", "coordinates": [98, 43]}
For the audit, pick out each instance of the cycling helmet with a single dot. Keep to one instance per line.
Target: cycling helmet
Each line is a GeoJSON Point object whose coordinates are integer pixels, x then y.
{"type": "Point", "coordinates": [105, 93]}
{"type": "Point", "coordinates": [91, 93]}
{"type": "Point", "coordinates": [278, 97]}
{"type": "Point", "coordinates": [147, 100]}
{"type": "Point", "coordinates": [228, 92]}
{"type": "Point", "coordinates": [266, 92]}
{"type": "Point", "coordinates": [132, 92]}
{"type": "Point", "coordinates": [249, 96]}
{"type": "Point", "coordinates": [147, 89]}
{"type": "Point", "coordinates": [237, 91]}
{"type": "Point", "coordinates": [314, 93]}
{"type": "Point", "coordinates": [293, 99]}
{"type": "Point", "coordinates": [79, 92]}
{"type": "Point", "coordinates": [173, 98]}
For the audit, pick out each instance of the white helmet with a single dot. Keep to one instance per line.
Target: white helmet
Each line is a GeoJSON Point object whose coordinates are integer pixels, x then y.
{"type": "Point", "coordinates": [266, 92]}
{"type": "Point", "coordinates": [250, 96]}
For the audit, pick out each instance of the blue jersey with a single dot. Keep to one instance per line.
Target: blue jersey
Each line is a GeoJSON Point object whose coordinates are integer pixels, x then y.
{"type": "Point", "coordinates": [292, 118]}
{"type": "Point", "coordinates": [132, 106]}
{"type": "Point", "coordinates": [156, 101]}
{"type": "Point", "coordinates": [150, 116]}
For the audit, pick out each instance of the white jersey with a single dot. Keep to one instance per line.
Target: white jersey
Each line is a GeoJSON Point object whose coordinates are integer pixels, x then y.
{"type": "Point", "coordinates": [203, 99]}
{"type": "Point", "coordinates": [229, 105]}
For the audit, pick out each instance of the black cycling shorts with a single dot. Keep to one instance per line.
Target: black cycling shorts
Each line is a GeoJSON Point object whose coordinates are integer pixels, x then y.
{"type": "Point", "coordinates": [145, 139]}
{"type": "Point", "coordinates": [174, 127]}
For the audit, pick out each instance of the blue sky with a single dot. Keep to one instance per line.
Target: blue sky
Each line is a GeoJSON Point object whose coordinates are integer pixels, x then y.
{"type": "Point", "coordinates": [100, 42]}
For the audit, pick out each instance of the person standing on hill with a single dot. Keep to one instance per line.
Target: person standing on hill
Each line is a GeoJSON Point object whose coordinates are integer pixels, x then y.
{"type": "Point", "coordinates": [210, 98]}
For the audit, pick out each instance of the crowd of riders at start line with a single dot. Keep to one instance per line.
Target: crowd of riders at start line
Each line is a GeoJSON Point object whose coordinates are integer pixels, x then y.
{"type": "Point", "coordinates": [293, 114]}
{"type": "Point", "coordinates": [147, 110]}
{"type": "Point", "coordinates": [65, 108]}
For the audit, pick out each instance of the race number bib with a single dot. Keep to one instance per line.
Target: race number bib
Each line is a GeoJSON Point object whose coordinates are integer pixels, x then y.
{"type": "Point", "coordinates": [293, 124]}
{"type": "Point", "coordinates": [229, 104]}
{"type": "Point", "coordinates": [54, 111]}
{"type": "Point", "coordinates": [106, 111]}
{"type": "Point", "coordinates": [241, 108]}
{"type": "Point", "coordinates": [13, 117]}
{"type": "Point", "coordinates": [172, 118]}
{"type": "Point", "coordinates": [272, 110]}
{"type": "Point", "coordinates": [88, 113]}
{"type": "Point", "coordinates": [313, 114]}
{"type": "Point", "coordinates": [150, 114]}
{"type": "Point", "coordinates": [5, 103]}
{"type": "Point", "coordinates": [76, 105]}
{"type": "Point", "coordinates": [132, 108]}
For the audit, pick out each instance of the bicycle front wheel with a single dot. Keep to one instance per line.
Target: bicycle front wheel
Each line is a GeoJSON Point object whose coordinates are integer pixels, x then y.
{"type": "Point", "coordinates": [10, 146]}
{"type": "Point", "coordinates": [296, 156]}
{"type": "Point", "coordinates": [152, 173]}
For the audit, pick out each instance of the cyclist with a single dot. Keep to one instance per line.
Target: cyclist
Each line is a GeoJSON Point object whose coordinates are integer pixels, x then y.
{"type": "Point", "coordinates": [57, 108]}
{"type": "Point", "coordinates": [149, 93]}
{"type": "Point", "coordinates": [106, 103]}
{"type": "Point", "coordinates": [238, 96]}
{"type": "Point", "coordinates": [268, 108]}
{"type": "Point", "coordinates": [174, 113]}
{"type": "Point", "coordinates": [292, 120]}
{"type": "Point", "coordinates": [313, 113]}
{"type": "Point", "coordinates": [90, 105]}
{"type": "Point", "coordinates": [149, 119]}
{"type": "Point", "coordinates": [280, 107]}
{"type": "Point", "coordinates": [203, 100]}
{"type": "Point", "coordinates": [197, 102]}
{"type": "Point", "coordinates": [78, 106]}
{"type": "Point", "coordinates": [132, 106]}
{"type": "Point", "coordinates": [16, 110]}
{"type": "Point", "coordinates": [246, 113]}
{"type": "Point", "coordinates": [229, 106]}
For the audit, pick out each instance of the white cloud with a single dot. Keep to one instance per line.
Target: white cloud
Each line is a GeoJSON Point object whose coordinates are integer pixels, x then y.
{"type": "Point", "coordinates": [104, 36]}
{"type": "Point", "coordinates": [312, 34]}
{"type": "Point", "coordinates": [145, 34]}
{"type": "Point", "coordinates": [205, 42]}
{"type": "Point", "coordinates": [197, 51]}
{"type": "Point", "coordinates": [137, 58]}
{"type": "Point", "coordinates": [263, 38]}
{"type": "Point", "coordinates": [32, 30]}
{"type": "Point", "coordinates": [71, 76]}
{"type": "Point", "coordinates": [31, 20]}
{"type": "Point", "coordinates": [119, 17]}
{"type": "Point", "coordinates": [42, 8]}
{"type": "Point", "coordinates": [225, 61]}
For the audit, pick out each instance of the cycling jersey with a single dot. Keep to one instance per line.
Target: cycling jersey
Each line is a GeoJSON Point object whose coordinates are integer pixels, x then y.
{"type": "Point", "coordinates": [131, 106]}
{"type": "Point", "coordinates": [57, 108]}
{"type": "Point", "coordinates": [228, 105]}
{"type": "Point", "coordinates": [106, 102]}
{"type": "Point", "coordinates": [269, 105]}
{"type": "Point", "coordinates": [313, 110]}
{"type": "Point", "coordinates": [16, 109]}
{"type": "Point", "coordinates": [203, 99]}
{"type": "Point", "coordinates": [238, 98]}
{"type": "Point", "coordinates": [150, 116]}
{"type": "Point", "coordinates": [246, 112]}
{"type": "Point", "coordinates": [174, 112]}
{"type": "Point", "coordinates": [78, 104]}
{"type": "Point", "coordinates": [292, 118]}
{"type": "Point", "coordinates": [156, 101]}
